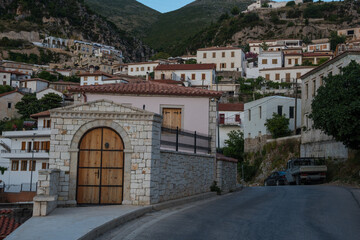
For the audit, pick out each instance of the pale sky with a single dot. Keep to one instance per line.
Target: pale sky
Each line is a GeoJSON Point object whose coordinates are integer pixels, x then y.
{"type": "Point", "coordinates": [165, 5]}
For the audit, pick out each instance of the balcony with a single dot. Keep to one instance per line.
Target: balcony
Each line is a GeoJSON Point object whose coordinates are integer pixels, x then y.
{"type": "Point", "coordinates": [25, 154]}
{"type": "Point", "coordinates": [40, 132]}
{"type": "Point", "coordinates": [230, 121]}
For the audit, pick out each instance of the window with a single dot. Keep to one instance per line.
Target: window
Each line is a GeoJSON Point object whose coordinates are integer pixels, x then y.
{"type": "Point", "coordinates": [148, 68]}
{"type": "Point", "coordinates": [232, 54]}
{"type": "Point", "coordinates": [85, 84]}
{"type": "Point", "coordinates": [137, 69]}
{"type": "Point", "coordinates": [9, 105]}
{"type": "Point", "coordinates": [287, 77]}
{"type": "Point", "coordinates": [264, 61]}
{"type": "Point", "coordinates": [289, 61]}
{"type": "Point", "coordinates": [32, 166]}
{"type": "Point", "coordinates": [321, 80]}
{"type": "Point", "coordinates": [23, 146]}
{"type": "Point", "coordinates": [23, 165]}
{"type": "Point", "coordinates": [296, 61]}
{"type": "Point", "coordinates": [29, 147]}
{"type": "Point", "coordinates": [237, 118]}
{"type": "Point", "coordinates": [223, 54]}
{"type": "Point", "coordinates": [249, 115]}
{"type": "Point", "coordinates": [85, 78]}
{"type": "Point", "coordinates": [96, 83]}
{"type": "Point", "coordinates": [15, 165]}
{"type": "Point", "coordinates": [45, 146]}
{"type": "Point", "coordinates": [131, 69]}
{"type": "Point", "coordinates": [172, 117]}
{"type": "Point", "coordinates": [193, 76]}
{"type": "Point", "coordinates": [277, 76]}
{"type": "Point", "coordinates": [44, 165]}
{"type": "Point", "coordinates": [4, 82]}
{"type": "Point", "coordinates": [96, 78]}
{"type": "Point", "coordinates": [314, 88]}
{"type": "Point", "coordinates": [267, 76]}
{"type": "Point", "coordinates": [162, 76]}
{"type": "Point", "coordinates": [291, 112]}
{"type": "Point", "coordinates": [307, 91]}
{"type": "Point", "coordinates": [46, 123]}
{"type": "Point", "coordinates": [223, 65]}
{"type": "Point", "coordinates": [280, 110]}
{"type": "Point", "coordinates": [232, 65]}
{"type": "Point", "coordinates": [214, 55]}
{"type": "Point", "coordinates": [203, 76]}
{"type": "Point", "coordinates": [260, 112]}
{"type": "Point", "coordinates": [204, 55]}
{"type": "Point", "coordinates": [183, 77]}
{"type": "Point", "coordinates": [142, 69]}
{"type": "Point", "coordinates": [274, 61]}
{"type": "Point", "coordinates": [36, 146]}
{"type": "Point", "coordinates": [221, 118]}
{"type": "Point", "coordinates": [298, 75]}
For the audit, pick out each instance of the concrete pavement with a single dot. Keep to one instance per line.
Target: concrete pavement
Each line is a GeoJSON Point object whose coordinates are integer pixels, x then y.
{"type": "Point", "coordinates": [284, 212]}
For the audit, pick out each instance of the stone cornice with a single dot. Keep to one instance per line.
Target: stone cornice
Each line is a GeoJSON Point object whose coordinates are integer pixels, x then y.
{"type": "Point", "coordinates": [134, 116]}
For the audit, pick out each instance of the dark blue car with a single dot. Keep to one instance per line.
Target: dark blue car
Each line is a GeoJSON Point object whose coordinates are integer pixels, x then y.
{"type": "Point", "coordinates": [275, 179]}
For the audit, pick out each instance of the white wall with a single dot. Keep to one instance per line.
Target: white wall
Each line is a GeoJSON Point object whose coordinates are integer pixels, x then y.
{"type": "Point", "coordinates": [92, 80]}
{"type": "Point", "coordinates": [195, 112]}
{"type": "Point", "coordinates": [237, 59]}
{"type": "Point", "coordinates": [269, 57]}
{"type": "Point", "coordinates": [41, 94]}
{"type": "Point", "coordinates": [294, 72]}
{"type": "Point", "coordinates": [269, 105]}
{"type": "Point", "coordinates": [176, 75]}
{"type": "Point", "coordinates": [141, 69]}
{"type": "Point", "coordinates": [5, 78]}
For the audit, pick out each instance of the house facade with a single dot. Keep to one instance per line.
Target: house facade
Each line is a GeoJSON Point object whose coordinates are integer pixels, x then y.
{"type": "Point", "coordinates": [195, 75]}
{"type": "Point", "coordinates": [141, 68]}
{"type": "Point", "coordinates": [33, 85]}
{"type": "Point", "coordinates": [257, 112]}
{"type": "Point", "coordinates": [62, 86]}
{"type": "Point", "coordinates": [319, 45]}
{"type": "Point", "coordinates": [314, 143]}
{"type": "Point", "coordinates": [230, 119]}
{"type": "Point", "coordinates": [270, 59]}
{"type": "Point", "coordinates": [292, 59]}
{"type": "Point", "coordinates": [350, 33]}
{"type": "Point", "coordinates": [7, 104]}
{"type": "Point", "coordinates": [285, 74]}
{"type": "Point", "coordinates": [225, 58]}
{"type": "Point", "coordinates": [93, 78]}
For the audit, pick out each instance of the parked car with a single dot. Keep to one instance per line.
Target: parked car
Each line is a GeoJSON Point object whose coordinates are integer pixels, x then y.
{"type": "Point", "coordinates": [275, 179]}
{"type": "Point", "coordinates": [305, 170]}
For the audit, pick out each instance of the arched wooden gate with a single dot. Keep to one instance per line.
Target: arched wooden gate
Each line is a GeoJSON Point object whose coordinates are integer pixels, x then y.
{"type": "Point", "coordinates": [100, 167]}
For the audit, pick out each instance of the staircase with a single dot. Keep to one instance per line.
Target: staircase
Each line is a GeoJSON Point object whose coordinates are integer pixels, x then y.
{"type": "Point", "coordinates": [5, 146]}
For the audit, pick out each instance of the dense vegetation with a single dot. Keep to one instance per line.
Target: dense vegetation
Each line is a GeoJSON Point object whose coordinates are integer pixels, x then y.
{"type": "Point", "coordinates": [45, 57]}
{"type": "Point", "coordinates": [341, 120]}
{"type": "Point", "coordinates": [5, 88]}
{"type": "Point", "coordinates": [53, 77]}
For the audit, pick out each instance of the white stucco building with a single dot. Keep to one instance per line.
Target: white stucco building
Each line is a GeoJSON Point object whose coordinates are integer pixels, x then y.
{"type": "Point", "coordinates": [24, 153]}
{"type": "Point", "coordinates": [142, 68]}
{"type": "Point", "coordinates": [257, 112]}
{"type": "Point", "coordinates": [314, 143]}
{"type": "Point", "coordinates": [270, 59]}
{"type": "Point", "coordinates": [225, 58]}
{"type": "Point", "coordinates": [230, 119]}
{"type": "Point", "coordinates": [34, 85]}
{"type": "Point", "coordinates": [93, 78]}
{"type": "Point", "coordinates": [319, 45]}
{"type": "Point", "coordinates": [194, 75]}
{"type": "Point", "coordinates": [285, 74]}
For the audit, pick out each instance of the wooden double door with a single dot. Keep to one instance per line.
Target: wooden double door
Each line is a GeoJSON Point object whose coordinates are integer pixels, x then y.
{"type": "Point", "coordinates": [172, 117]}
{"type": "Point", "coordinates": [100, 168]}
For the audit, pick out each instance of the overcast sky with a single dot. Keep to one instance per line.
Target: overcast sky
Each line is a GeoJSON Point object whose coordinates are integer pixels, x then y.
{"type": "Point", "coordinates": [165, 5]}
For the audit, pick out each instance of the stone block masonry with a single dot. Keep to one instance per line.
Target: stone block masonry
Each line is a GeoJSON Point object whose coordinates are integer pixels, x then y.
{"type": "Point", "coordinates": [226, 174]}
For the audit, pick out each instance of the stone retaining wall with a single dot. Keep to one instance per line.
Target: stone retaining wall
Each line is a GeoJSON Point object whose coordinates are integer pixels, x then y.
{"type": "Point", "coordinates": [184, 174]}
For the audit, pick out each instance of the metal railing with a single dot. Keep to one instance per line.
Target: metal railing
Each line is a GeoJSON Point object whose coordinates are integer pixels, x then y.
{"type": "Point", "coordinates": [185, 141]}
{"type": "Point", "coordinates": [24, 187]}
{"type": "Point", "coordinates": [25, 151]}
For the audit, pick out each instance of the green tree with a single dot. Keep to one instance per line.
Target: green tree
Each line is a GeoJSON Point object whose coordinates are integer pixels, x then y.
{"type": "Point", "coordinates": [28, 105]}
{"type": "Point", "coordinates": [160, 55]}
{"type": "Point", "coordinates": [235, 145]}
{"type": "Point", "coordinates": [50, 101]}
{"type": "Point", "coordinates": [235, 11]}
{"type": "Point", "coordinates": [336, 107]}
{"type": "Point", "coordinates": [290, 4]}
{"type": "Point", "coordinates": [335, 40]}
{"type": "Point", "coordinates": [191, 61]}
{"type": "Point", "coordinates": [278, 126]}
{"type": "Point", "coordinates": [5, 88]}
{"type": "Point", "coordinates": [47, 76]}
{"type": "Point", "coordinates": [264, 46]}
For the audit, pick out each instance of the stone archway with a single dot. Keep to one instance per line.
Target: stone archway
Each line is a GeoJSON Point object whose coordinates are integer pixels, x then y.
{"type": "Point", "coordinates": [74, 155]}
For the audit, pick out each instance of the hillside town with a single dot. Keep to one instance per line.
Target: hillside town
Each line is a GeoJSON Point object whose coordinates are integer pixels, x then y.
{"type": "Point", "coordinates": [95, 129]}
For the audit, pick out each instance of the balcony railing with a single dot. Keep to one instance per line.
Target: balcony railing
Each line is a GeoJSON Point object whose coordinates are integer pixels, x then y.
{"type": "Point", "coordinates": [230, 121]}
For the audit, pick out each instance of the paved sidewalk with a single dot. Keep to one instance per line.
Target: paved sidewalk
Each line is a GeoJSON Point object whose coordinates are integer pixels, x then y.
{"type": "Point", "coordinates": [70, 223]}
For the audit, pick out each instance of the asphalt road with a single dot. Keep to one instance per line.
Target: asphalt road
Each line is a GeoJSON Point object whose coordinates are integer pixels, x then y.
{"type": "Point", "coordinates": [284, 212]}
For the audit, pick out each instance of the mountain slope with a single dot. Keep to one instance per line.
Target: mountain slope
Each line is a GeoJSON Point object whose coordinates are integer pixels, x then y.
{"type": "Point", "coordinates": [128, 15]}
{"type": "Point", "coordinates": [308, 21]}
{"type": "Point", "coordinates": [178, 25]}
{"type": "Point", "coordinates": [67, 19]}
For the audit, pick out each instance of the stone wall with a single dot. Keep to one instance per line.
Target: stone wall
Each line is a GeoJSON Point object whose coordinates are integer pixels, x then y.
{"type": "Point", "coordinates": [184, 174]}
{"type": "Point", "coordinates": [255, 144]}
{"type": "Point", "coordinates": [325, 149]}
{"type": "Point", "coordinates": [226, 174]}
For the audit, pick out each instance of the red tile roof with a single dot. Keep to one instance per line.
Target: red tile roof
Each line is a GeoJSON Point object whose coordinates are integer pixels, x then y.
{"type": "Point", "coordinates": [8, 93]}
{"type": "Point", "coordinates": [314, 54]}
{"type": "Point", "coordinates": [231, 107]}
{"type": "Point", "coordinates": [7, 223]}
{"type": "Point", "coordinates": [64, 83]}
{"type": "Point", "coordinates": [40, 114]}
{"type": "Point", "coordinates": [97, 73]}
{"type": "Point", "coordinates": [167, 81]}
{"type": "Point", "coordinates": [220, 157]}
{"type": "Point", "coordinates": [142, 63]}
{"type": "Point", "coordinates": [218, 48]}
{"type": "Point", "coordinates": [185, 67]}
{"type": "Point", "coordinates": [146, 88]}
{"type": "Point", "coordinates": [13, 72]}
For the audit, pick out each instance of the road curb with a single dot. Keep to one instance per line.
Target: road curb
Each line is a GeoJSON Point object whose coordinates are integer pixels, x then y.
{"type": "Point", "coordinates": [356, 194]}
{"type": "Point", "coordinates": [96, 232]}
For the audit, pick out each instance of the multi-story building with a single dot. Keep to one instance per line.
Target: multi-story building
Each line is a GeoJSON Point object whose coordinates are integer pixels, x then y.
{"type": "Point", "coordinates": [270, 59]}
{"type": "Point", "coordinates": [27, 152]}
{"type": "Point", "coordinates": [24, 68]}
{"type": "Point", "coordinates": [285, 74]}
{"type": "Point", "coordinates": [274, 45]}
{"type": "Point", "coordinates": [62, 86]}
{"type": "Point", "coordinates": [350, 33]}
{"type": "Point", "coordinates": [33, 85]}
{"type": "Point", "coordinates": [292, 59]}
{"type": "Point", "coordinates": [225, 58]}
{"type": "Point", "coordinates": [319, 45]}
{"type": "Point", "coordinates": [230, 119]}
{"type": "Point", "coordinates": [315, 143]}
{"type": "Point", "coordinates": [12, 78]}
{"type": "Point", "coordinates": [93, 78]}
{"type": "Point", "coordinates": [142, 68]}
{"type": "Point", "coordinates": [316, 57]}
{"type": "Point", "coordinates": [257, 112]}
{"type": "Point", "coordinates": [7, 104]}
{"type": "Point", "coordinates": [195, 75]}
